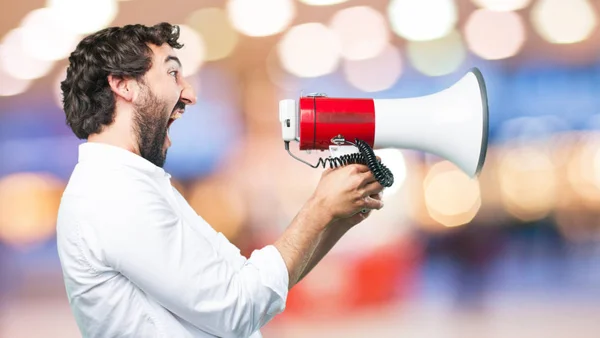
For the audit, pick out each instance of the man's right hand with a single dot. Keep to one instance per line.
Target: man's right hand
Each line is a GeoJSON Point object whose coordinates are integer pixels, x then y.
{"type": "Point", "coordinates": [342, 192]}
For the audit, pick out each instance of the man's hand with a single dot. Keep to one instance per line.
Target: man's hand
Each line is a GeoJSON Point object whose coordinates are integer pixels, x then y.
{"type": "Point", "coordinates": [347, 223]}
{"type": "Point", "coordinates": [343, 192]}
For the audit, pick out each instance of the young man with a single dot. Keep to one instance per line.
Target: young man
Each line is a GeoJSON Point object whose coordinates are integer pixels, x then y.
{"type": "Point", "coordinates": [137, 260]}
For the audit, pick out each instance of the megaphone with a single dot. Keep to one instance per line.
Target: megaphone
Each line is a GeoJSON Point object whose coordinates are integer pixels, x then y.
{"type": "Point", "coordinates": [452, 124]}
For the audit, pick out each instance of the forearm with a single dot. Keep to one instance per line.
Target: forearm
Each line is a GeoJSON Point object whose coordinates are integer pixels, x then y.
{"type": "Point", "coordinates": [300, 239]}
{"type": "Point", "coordinates": [327, 241]}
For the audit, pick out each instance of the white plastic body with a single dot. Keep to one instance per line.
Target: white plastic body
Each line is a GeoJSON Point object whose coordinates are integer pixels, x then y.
{"type": "Point", "coordinates": [288, 117]}
{"type": "Point", "coordinates": [449, 123]}
{"type": "Point", "coordinates": [337, 151]}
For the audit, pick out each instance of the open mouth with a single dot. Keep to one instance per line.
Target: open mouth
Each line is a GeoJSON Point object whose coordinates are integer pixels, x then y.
{"type": "Point", "coordinates": [174, 116]}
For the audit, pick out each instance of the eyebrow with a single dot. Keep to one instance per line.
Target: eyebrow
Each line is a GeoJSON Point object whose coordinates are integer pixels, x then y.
{"type": "Point", "coordinates": [173, 58]}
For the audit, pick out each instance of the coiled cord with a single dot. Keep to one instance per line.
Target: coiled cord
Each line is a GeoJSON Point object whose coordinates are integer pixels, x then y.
{"type": "Point", "coordinates": [366, 156]}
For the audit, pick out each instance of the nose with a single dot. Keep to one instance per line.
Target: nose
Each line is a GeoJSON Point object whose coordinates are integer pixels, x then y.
{"type": "Point", "coordinates": [188, 94]}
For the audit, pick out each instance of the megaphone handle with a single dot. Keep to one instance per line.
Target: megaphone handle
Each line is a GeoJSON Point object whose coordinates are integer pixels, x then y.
{"type": "Point", "coordinates": [365, 156]}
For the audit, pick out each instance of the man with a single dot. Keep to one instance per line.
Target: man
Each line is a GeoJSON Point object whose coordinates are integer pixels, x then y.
{"type": "Point", "coordinates": [137, 260]}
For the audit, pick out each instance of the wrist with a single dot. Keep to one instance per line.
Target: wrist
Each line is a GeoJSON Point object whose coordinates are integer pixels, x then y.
{"type": "Point", "coordinates": [344, 224]}
{"type": "Point", "coordinates": [321, 215]}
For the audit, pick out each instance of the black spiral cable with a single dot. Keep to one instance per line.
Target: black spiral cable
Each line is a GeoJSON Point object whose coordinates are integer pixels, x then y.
{"type": "Point", "coordinates": [366, 156]}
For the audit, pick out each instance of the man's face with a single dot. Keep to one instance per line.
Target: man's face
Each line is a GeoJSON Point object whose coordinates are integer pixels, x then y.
{"type": "Point", "coordinates": [164, 93]}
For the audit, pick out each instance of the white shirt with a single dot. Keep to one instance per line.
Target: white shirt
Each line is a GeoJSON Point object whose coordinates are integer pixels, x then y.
{"type": "Point", "coordinates": [138, 261]}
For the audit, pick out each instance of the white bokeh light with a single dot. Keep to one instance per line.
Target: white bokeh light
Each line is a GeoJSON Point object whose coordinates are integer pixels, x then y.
{"type": "Point", "coordinates": [309, 50]}
{"type": "Point", "coordinates": [261, 17]}
{"type": "Point", "coordinates": [16, 62]}
{"type": "Point", "coordinates": [394, 160]}
{"type": "Point", "coordinates": [322, 2]}
{"type": "Point", "coordinates": [85, 16]}
{"type": "Point", "coordinates": [45, 35]}
{"type": "Point", "coordinates": [364, 40]}
{"type": "Point", "coordinates": [422, 20]}
{"type": "Point", "coordinates": [216, 31]}
{"type": "Point", "coordinates": [9, 85]}
{"type": "Point", "coordinates": [502, 5]}
{"type": "Point", "coordinates": [377, 73]}
{"type": "Point", "coordinates": [192, 53]}
{"type": "Point", "coordinates": [451, 197]}
{"type": "Point", "coordinates": [437, 57]}
{"type": "Point", "coordinates": [559, 21]}
{"type": "Point", "coordinates": [495, 35]}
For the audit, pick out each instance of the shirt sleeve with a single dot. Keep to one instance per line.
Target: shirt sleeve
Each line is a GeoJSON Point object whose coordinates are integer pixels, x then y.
{"type": "Point", "coordinates": [188, 274]}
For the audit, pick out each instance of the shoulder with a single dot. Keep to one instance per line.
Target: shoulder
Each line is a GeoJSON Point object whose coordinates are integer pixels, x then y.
{"type": "Point", "coordinates": [111, 183]}
{"type": "Point", "coordinates": [110, 197]}
{"type": "Point", "coordinates": [107, 207]}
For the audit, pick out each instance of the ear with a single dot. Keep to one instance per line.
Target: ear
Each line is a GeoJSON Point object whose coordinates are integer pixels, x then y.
{"type": "Point", "coordinates": [122, 87]}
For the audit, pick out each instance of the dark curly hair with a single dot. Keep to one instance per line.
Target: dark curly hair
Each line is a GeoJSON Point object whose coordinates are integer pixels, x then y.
{"type": "Point", "coordinates": [88, 101]}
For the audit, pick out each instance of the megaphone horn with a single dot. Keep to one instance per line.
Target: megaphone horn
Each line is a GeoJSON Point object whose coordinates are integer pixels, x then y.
{"type": "Point", "coordinates": [452, 124]}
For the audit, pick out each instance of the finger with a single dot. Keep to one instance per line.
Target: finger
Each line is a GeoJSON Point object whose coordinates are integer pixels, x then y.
{"type": "Point", "coordinates": [360, 168]}
{"type": "Point", "coordinates": [367, 178]}
{"type": "Point", "coordinates": [372, 188]}
{"type": "Point", "coordinates": [371, 203]}
{"type": "Point", "coordinates": [378, 196]}
{"type": "Point", "coordinates": [326, 171]}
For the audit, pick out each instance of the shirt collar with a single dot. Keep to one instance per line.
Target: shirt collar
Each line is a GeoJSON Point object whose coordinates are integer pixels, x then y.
{"type": "Point", "coordinates": [106, 153]}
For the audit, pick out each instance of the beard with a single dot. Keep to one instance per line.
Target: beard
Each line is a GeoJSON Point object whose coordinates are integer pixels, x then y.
{"type": "Point", "coordinates": [150, 125]}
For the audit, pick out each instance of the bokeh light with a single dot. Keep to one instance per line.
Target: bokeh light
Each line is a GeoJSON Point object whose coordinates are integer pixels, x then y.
{"type": "Point", "coordinates": [261, 17]}
{"type": "Point", "coordinates": [45, 36]}
{"type": "Point", "coordinates": [193, 51]}
{"type": "Point", "coordinates": [16, 62]}
{"type": "Point", "coordinates": [394, 160]}
{"type": "Point", "coordinates": [422, 20]}
{"type": "Point", "coordinates": [502, 5]}
{"type": "Point", "coordinates": [375, 74]}
{"type": "Point", "coordinates": [278, 75]}
{"type": "Point", "coordinates": [85, 16]}
{"type": "Point", "coordinates": [360, 41]}
{"type": "Point", "coordinates": [528, 182]}
{"type": "Point", "coordinates": [451, 197]}
{"type": "Point", "coordinates": [322, 2]}
{"type": "Point", "coordinates": [583, 170]}
{"type": "Point", "coordinates": [28, 208]}
{"type": "Point", "coordinates": [437, 57]}
{"type": "Point", "coordinates": [220, 39]}
{"type": "Point", "coordinates": [559, 21]}
{"type": "Point", "coordinates": [309, 50]}
{"type": "Point", "coordinates": [495, 35]}
{"type": "Point", "coordinates": [9, 85]}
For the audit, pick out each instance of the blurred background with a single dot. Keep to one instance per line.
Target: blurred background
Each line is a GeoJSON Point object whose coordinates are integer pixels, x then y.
{"type": "Point", "coordinates": [513, 253]}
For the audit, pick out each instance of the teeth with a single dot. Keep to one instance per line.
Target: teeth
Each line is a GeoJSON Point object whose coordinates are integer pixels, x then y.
{"type": "Point", "coordinates": [176, 115]}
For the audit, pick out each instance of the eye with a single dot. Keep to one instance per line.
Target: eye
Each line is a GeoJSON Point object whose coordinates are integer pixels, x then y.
{"type": "Point", "coordinates": [174, 73]}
